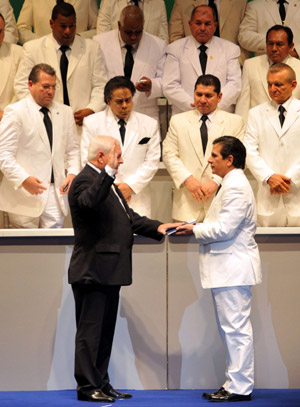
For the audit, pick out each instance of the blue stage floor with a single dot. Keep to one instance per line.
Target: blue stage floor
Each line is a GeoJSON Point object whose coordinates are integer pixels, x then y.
{"type": "Point", "coordinates": [147, 398]}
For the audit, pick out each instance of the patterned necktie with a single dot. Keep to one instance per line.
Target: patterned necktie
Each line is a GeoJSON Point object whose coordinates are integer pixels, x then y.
{"type": "Point", "coordinates": [203, 131]}
{"type": "Point", "coordinates": [48, 126]}
{"type": "Point", "coordinates": [203, 57]}
{"type": "Point", "coordinates": [212, 4]}
{"type": "Point", "coordinates": [281, 111]}
{"type": "Point", "coordinates": [64, 63]}
{"type": "Point", "coordinates": [122, 129]}
{"type": "Point", "coordinates": [128, 62]}
{"type": "Point", "coordinates": [281, 10]}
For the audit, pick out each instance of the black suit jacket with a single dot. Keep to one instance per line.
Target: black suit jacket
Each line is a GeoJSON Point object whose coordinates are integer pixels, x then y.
{"type": "Point", "coordinates": [103, 231]}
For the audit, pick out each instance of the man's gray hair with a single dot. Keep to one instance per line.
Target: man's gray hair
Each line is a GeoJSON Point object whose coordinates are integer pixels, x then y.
{"type": "Point", "coordinates": [99, 143]}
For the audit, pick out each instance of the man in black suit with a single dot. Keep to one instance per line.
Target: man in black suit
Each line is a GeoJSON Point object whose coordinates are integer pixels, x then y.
{"type": "Point", "coordinates": [101, 263]}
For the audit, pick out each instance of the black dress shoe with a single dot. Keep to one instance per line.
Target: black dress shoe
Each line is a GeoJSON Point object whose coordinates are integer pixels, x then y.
{"type": "Point", "coordinates": [116, 394]}
{"type": "Point", "coordinates": [208, 395]}
{"type": "Point", "coordinates": [94, 395]}
{"type": "Point", "coordinates": [225, 396]}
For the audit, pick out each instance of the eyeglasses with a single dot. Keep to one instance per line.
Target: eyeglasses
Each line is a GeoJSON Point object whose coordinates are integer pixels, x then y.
{"type": "Point", "coordinates": [48, 87]}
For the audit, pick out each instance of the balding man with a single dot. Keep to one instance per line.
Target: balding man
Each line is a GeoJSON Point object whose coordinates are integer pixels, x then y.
{"type": "Point", "coordinates": [272, 142]}
{"type": "Point", "coordinates": [279, 41]}
{"type": "Point", "coordinates": [139, 56]}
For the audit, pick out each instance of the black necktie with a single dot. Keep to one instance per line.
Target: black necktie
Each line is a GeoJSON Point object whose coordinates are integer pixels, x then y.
{"type": "Point", "coordinates": [212, 4]}
{"type": "Point", "coordinates": [122, 129]}
{"type": "Point", "coordinates": [203, 57]}
{"type": "Point", "coordinates": [136, 2]}
{"type": "Point", "coordinates": [48, 125]}
{"type": "Point", "coordinates": [281, 10]}
{"type": "Point", "coordinates": [64, 70]}
{"type": "Point", "coordinates": [128, 62]}
{"type": "Point", "coordinates": [281, 111]}
{"type": "Point", "coordinates": [203, 131]}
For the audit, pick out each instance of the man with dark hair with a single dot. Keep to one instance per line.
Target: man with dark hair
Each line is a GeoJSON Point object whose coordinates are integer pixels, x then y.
{"type": "Point", "coordinates": [140, 56]}
{"type": "Point", "coordinates": [38, 147]}
{"type": "Point", "coordinates": [272, 142]}
{"type": "Point", "coordinates": [104, 226]}
{"type": "Point", "coordinates": [138, 135]}
{"type": "Point", "coordinates": [33, 21]}
{"type": "Point", "coordinates": [187, 146]}
{"type": "Point", "coordinates": [198, 54]}
{"type": "Point", "coordinates": [11, 32]}
{"type": "Point", "coordinates": [229, 265]}
{"type": "Point", "coordinates": [279, 42]}
{"type": "Point", "coordinates": [78, 62]}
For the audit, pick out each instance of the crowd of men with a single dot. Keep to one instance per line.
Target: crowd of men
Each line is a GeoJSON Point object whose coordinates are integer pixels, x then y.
{"type": "Point", "coordinates": [82, 92]}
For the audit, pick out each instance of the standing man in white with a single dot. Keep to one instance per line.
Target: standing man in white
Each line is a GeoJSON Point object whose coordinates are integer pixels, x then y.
{"type": "Point", "coordinates": [39, 155]}
{"type": "Point", "coordinates": [272, 142]}
{"type": "Point", "coordinates": [154, 11]}
{"type": "Point", "coordinates": [33, 21]}
{"type": "Point", "coordinates": [230, 265]}
{"type": "Point", "coordinates": [199, 54]}
{"type": "Point", "coordinates": [11, 32]}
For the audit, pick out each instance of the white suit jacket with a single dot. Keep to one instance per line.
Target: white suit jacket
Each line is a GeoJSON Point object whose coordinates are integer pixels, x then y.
{"type": "Point", "coordinates": [154, 13]}
{"type": "Point", "coordinates": [228, 252]}
{"type": "Point", "coordinates": [183, 156]}
{"type": "Point", "coordinates": [182, 68]}
{"type": "Point", "coordinates": [274, 149]}
{"type": "Point", "coordinates": [255, 86]}
{"type": "Point", "coordinates": [10, 57]}
{"type": "Point", "coordinates": [230, 16]}
{"type": "Point", "coordinates": [86, 76]}
{"type": "Point", "coordinates": [36, 14]}
{"type": "Point", "coordinates": [25, 151]}
{"type": "Point", "coordinates": [149, 61]}
{"type": "Point", "coordinates": [141, 159]}
{"type": "Point", "coordinates": [11, 32]}
{"type": "Point", "coordinates": [261, 15]}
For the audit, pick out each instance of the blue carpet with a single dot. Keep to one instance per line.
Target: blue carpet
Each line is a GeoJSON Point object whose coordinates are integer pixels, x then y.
{"type": "Point", "coordinates": [147, 398]}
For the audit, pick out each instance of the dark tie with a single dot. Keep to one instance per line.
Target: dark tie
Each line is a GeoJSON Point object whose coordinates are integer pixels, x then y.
{"type": "Point", "coordinates": [128, 62]}
{"type": "Point", "coordinates": [203, 57]}
{"type": "Point", "coordinates": [212, 4]}
{"type": "Point", "coordinates": [281, 111]}
{"type": "Point", "coordinates": [136, 2]}
{"type": "Point", "coordinates": [122, 129]}
{"type": "Point", "coordinates": [203, 131]}
{"type": "Point", "coordinates": [48, 125]}
{"type": "Point", "coordinates": [64, 70]}
{"type": "Point", "coordinates": [281, 10]}
{"type": "Point", "coordinates": [219, 187]}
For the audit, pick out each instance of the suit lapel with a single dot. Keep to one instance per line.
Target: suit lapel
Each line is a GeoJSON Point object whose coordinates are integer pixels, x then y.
{"type": "Point", "coordinates": [225, 10]}
{"type": "Point", "coordinates": [6, 65]}
{"type": "Point", "coordinates": [262, 72]}
{"type": "Point", "coordinates": [141, 56]}
{"type": "Point", "coordinates": [78, 49]}
{"type": "Point", "coordinates": [195, 136]}
{"type": "Point", "coordinates": [291, 116]}
{"type": "Point", "coordinates": [271, 7]}
{"type": "Point", "coordinates": [213, 56]}
{"type": "Point", "coordinates": [193, 56]}
{"type": "Point", "coordinates": [292, 11]}
{"type": "Point", "coordinates": [38, 123]}
{"type": "Point", "coordinates": [50, 55]}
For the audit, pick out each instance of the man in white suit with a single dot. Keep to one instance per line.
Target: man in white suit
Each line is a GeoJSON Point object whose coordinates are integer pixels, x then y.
{"type": "Point", "coordinates": [201, 53]}
{"type": "Point", "coordinates": [37, 137]}
{"type": "Point", "coordinates": [11, 32]}
{"type": "Point", "coordinates": [230, 265]}
{"type": "Point", "coordinates": [230, 14]}
{"type": "Point", "coordinates": [33, 21]}
{"type": "Point", "coordinates": [148, 53]}
{"type": "Point", "coordinates": [260, 15]}
{"type": "Point", "coordinates": [10, 57]}
{"type": "Point", "coordinates": [140, 145]}
{"type": "Point", "coordinates": [254, 84]}
{"type": "Point", "coordinates": [154, 12]}
{"type": "Point", "coordinates": [272, 142]}
{"type": "Point", "coordinates": [85, 76]}
{"type": "Point", "coordinates": [185, 156]}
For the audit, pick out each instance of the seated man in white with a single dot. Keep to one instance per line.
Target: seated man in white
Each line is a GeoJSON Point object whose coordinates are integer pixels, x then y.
{"type": "Point", "coordinates": [273, 150]}
{"type": "Point", "coordinates": [187, 146]}
{"type": "Point", "coordinates": [39, 155]}
{"type": "Point", "coordinates": [78, 62]}
{"type": "Point", "coordinates": [11, 32]}
{"type": "Point", "coordinates": [279, 41]}
{"type": "Point", "coordinates": [199, 54]}
{"type": "Point", "coordinates": [140, 56]}
{"type": "Point", "coordinates": [33, 21]}
{"type": "Point", "coordinates": [154, 11]}
{"type": "Point", "coordinates": [139, 137]}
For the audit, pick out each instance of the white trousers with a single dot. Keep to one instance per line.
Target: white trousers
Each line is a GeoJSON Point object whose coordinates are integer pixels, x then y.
{"type": "Point", "coordinates": [233, 307]}
{"type": "Point", "coordinates": [52, 216]}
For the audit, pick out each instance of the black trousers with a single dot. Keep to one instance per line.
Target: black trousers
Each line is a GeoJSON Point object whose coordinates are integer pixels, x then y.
{"type": "Point", "coordinates": [96, 313]}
